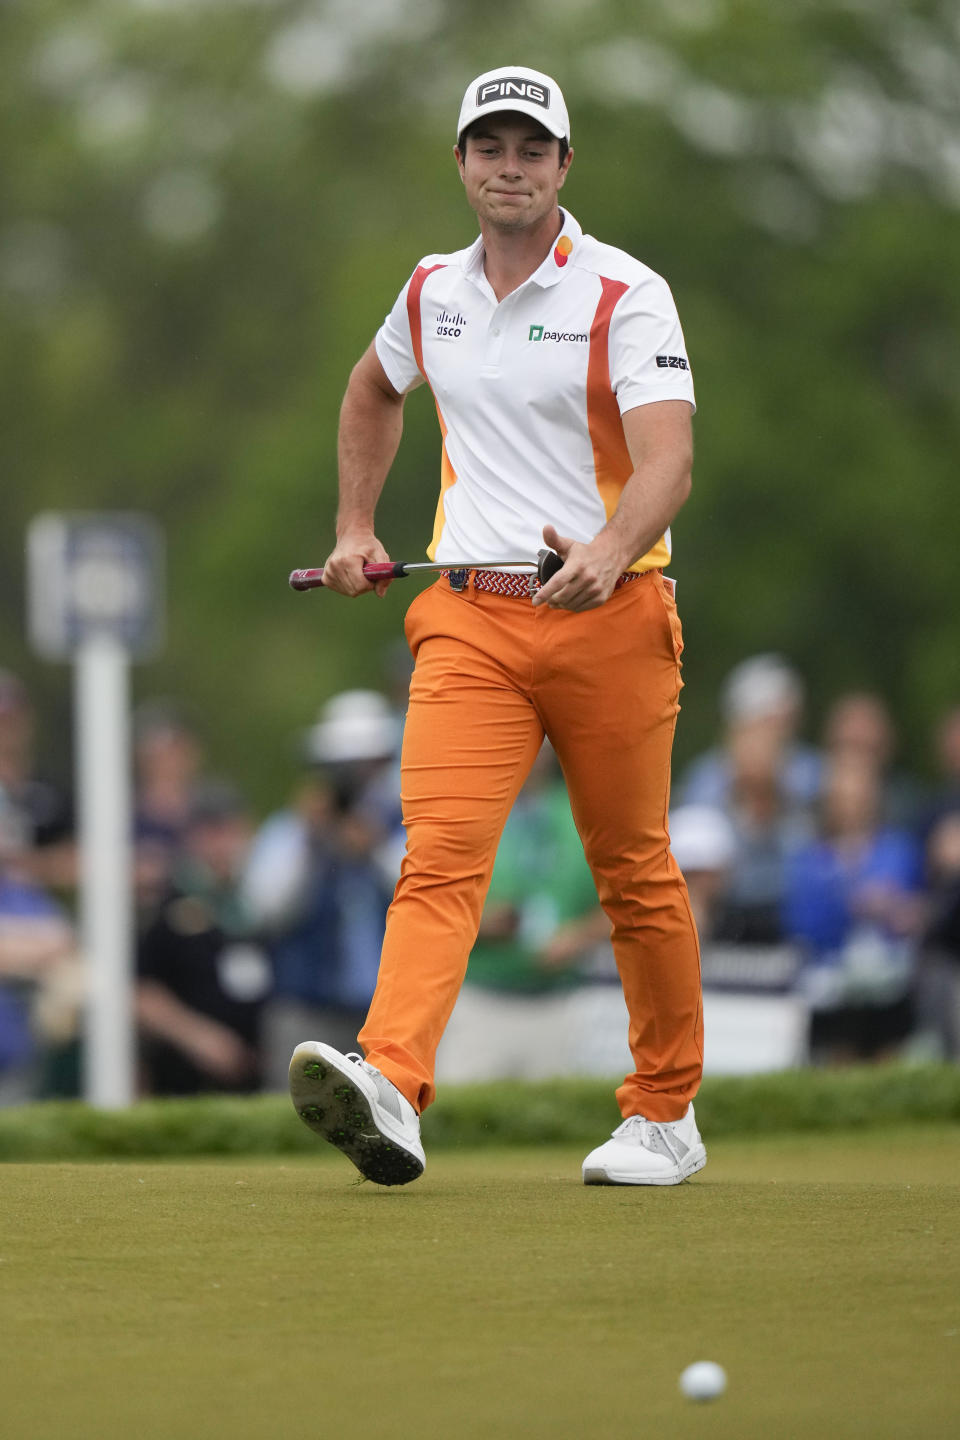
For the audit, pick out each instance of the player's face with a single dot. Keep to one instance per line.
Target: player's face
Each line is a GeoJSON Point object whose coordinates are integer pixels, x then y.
{"type": "Point", "coordinates": [512, 172]}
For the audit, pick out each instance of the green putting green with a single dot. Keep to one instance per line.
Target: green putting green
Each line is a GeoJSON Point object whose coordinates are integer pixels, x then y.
{"type": "Point", "coordinates": [495, 1297]}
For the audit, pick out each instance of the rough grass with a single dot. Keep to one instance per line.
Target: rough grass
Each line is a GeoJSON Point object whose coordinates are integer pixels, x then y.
{"type": "Point", "coordinates": [507, 1113]}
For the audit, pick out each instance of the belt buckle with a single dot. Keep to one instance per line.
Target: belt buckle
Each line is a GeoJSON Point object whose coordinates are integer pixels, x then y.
{"type": "Point", "coordinates": [533, 585]}
{"type": "Point", "coordinates": [458, 579]}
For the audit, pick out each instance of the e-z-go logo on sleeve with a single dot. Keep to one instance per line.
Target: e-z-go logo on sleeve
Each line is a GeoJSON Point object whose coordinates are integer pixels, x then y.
{"type": "Point", "coordinates": [576, 337]}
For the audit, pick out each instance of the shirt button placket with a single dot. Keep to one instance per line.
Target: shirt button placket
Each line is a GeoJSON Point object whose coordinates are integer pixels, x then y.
{"type": "Point", "coordinates": [491, 359]}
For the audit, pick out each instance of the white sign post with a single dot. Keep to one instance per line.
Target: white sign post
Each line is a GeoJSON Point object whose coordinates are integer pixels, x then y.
{"type": "Point", "coordinates": [94, 598]}
{"type": "Point", "coordinates": [101, 710]}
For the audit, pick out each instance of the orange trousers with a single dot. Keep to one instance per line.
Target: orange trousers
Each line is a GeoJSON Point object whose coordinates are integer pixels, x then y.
{"type": "Point", "coordinates": [493, 675]}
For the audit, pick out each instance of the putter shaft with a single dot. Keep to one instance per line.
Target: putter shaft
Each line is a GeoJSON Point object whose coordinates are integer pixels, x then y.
{"type": "Point", "coordinates": [396, 569]}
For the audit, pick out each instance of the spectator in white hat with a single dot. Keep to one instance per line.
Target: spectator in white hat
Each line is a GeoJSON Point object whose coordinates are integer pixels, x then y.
{"type": "Point", "coordinates": [762, 696]}
{"type": "Point", "coordinates": [765, 781]}
{"type": "Point", "coordinates": [320, 876]}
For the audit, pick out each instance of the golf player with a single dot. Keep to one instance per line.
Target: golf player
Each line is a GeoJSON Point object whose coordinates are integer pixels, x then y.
{"type": "Point", "coordinates": [564, 396]}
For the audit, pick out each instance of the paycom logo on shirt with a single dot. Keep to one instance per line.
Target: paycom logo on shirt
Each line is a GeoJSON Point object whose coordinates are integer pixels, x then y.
{"type": "Point", "coordinates": [576, 337]}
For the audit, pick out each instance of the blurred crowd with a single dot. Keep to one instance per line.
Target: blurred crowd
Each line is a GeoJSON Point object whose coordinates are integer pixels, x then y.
{"type": "Point", "coordinates": [837, 868]}
{"type": "Point", "coordinates": [822, 870]}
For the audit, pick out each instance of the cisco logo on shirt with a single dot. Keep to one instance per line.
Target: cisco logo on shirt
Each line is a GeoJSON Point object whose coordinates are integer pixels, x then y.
{"type": "Point", "coordinates": [559, 337]}
{"type": "Point", "coordinates": [450, 325]}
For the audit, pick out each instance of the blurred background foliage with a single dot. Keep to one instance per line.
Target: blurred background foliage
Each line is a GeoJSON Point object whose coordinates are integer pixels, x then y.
{"type": "Point", "coordinates": [207, 206]}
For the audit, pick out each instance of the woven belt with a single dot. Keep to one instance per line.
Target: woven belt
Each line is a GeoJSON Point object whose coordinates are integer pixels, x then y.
{"type": "Point", "coordinates": [518, 587]}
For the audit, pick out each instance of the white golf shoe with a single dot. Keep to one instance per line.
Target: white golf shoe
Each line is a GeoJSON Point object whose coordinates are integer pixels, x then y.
{"type": "Point", "coordinates": [359, 1110]}
{"type": "Point", "coordinates": [647, 1152]}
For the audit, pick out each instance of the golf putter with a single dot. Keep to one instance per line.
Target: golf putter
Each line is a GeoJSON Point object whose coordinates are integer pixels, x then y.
{"type": "Point", "coordinates": [548, 563]}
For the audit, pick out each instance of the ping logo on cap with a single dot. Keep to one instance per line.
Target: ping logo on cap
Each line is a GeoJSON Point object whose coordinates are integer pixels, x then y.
{"type": "Point", "coordinates": [513, 87]}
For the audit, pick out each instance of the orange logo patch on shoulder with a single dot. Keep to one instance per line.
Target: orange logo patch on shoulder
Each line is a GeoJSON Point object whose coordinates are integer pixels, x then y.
{"type": "Point", "coordinates": [562, 252]}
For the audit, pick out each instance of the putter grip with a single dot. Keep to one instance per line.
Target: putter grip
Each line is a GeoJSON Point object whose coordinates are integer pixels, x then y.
{"type": "Point", "coordinates": [375, 570]}
{"type": "Point", "coordinates": [548, 563]}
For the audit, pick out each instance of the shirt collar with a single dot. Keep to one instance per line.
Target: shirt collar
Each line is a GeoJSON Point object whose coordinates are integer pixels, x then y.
{"type": "Point", "coordinates": [565, 249]}
{"type": "Point", "coordinates": [552, 269]}
{"type": "Point", "coordinates": [471, 261]}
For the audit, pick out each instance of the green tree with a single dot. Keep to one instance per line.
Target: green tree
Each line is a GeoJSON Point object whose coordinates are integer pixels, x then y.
{"type": "Point", "coordinates": [206, 209]}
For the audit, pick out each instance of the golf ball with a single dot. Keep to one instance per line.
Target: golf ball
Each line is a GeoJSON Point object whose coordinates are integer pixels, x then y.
{"type": "Point", "coordinates": [703, 1381]}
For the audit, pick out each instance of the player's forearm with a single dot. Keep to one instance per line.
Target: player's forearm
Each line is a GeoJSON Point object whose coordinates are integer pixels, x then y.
{"type": "Point", "coordinates": [371, 423]}
{"type": "Point", "coordinates": [648, 504]}
{"type": "Point", "coordinates": [660, 441]}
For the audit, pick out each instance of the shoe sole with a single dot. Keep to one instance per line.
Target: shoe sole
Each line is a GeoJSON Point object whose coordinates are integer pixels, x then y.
{"type": "Point", "coordinates": [333, 1106]}
{"type": "Point", "coordinates": [688, 1166]}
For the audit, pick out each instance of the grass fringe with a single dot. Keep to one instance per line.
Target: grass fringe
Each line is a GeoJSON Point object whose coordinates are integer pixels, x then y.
{"type": "Point", "coordinates": [580, 1111]}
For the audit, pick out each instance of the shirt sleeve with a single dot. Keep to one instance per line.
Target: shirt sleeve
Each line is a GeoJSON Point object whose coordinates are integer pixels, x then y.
{"type": "Point", "coordinates": [395, 347]}
{"type": "Point", "coordinates": [648, 357]}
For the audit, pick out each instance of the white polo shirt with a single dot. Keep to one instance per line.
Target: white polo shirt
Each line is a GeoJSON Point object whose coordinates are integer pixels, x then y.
{"type": "Point", "coordinates": [529, 390]}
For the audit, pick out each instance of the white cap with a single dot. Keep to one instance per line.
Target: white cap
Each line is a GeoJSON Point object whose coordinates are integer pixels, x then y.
{"type": "Point", "coordinates": [515, 87]}
{"type": "Point", "coordinates": [761, 687]}
{"type": "Point", "coordinates": [357, 725]}
{"type": "Point", "coordinates": [702, 838]}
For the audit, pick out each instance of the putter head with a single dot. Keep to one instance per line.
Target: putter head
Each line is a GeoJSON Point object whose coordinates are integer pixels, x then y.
{"type": "Point", "coordinates": [548, 563]}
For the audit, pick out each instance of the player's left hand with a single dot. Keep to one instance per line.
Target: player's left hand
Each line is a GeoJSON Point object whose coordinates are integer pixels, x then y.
{"type": "Point", "coordinates": [589, 572]}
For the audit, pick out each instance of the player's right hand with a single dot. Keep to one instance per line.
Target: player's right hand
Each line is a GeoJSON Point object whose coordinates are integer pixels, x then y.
{"type": "Point", "coordinates": [343, 568]}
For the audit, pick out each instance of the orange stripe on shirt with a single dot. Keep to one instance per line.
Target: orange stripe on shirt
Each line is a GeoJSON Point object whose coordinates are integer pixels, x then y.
{"type": "Point", "coordinates": [417, 280]}
{"type": "Point", "coordinates": [611, 459]}
{"type": "Point", "coordinates": [448, 475]}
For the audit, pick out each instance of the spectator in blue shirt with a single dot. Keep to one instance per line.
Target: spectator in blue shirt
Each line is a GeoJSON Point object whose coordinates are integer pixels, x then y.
{"type": "Point", "coordinates": [853, 901]}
